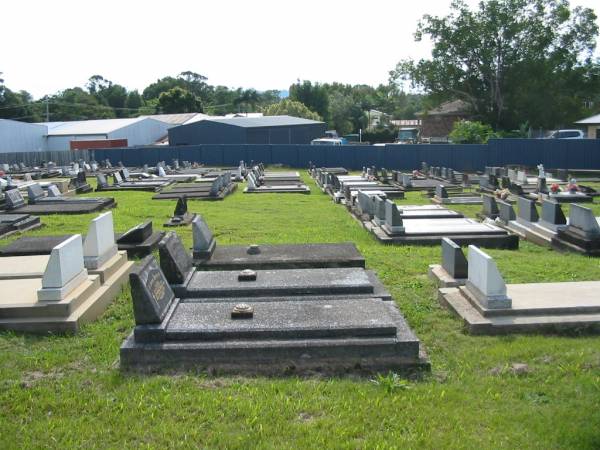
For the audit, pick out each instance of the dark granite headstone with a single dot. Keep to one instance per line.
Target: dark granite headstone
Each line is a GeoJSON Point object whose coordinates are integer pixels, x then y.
{"type": "Point", "coordinates": [81, 179]}
{"type": "Point", "coordinates": [552, 213]}
{"type": "Point", "coordinates": [453, 259]}
{"type": "Point", "coordinates": [35, 192]}
{"type": "Point", "coordinates": [137, 234]}
{"type": "Point", "coordinates": [541, 185]}
{"type": "Point", "coordinates": [490, 207]}
{"type": "Point", "coordinates": [175, 261]}
{"type": "Point", "coordinates": [101, 179]}
{"type": "Point", "coordinates": [527, 210]}
{"type": "Point", "coordinates": [440, 191]}
{"type": "Point", "coordinates": [13, 199]}
{"type": "Point", "coordinates": [506, 211]}
{"type": "Point", "coordinates": [181, 208]}
{"type": "Point", "coordinates": [150, 292]}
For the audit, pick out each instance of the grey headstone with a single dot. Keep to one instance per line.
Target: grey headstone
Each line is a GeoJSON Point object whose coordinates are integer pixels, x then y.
{"type": "Point", "coordinates": [453, 259]}
{"type": "Point", "coordinates": [552, 213]}
{"type": "Point", "coordinates": [393, 220]}
{"type": "Point", "coordinates": [204, 241]}
{"type": "Point", "coordinates": [53, 191]}
{"type": "Point", "coordinates": [365, 203]}
{"type": "Point", "coordinates": [541, 185]}
{"type": "Point", "coordinates": [583, 219]}
{"type": "Point", "coordinates": [35, 192]}
{"type": "Point", "coordinates": [150, 292]}
{"type": "Point", "coordinates": [101, 179]}
{"type": "Point", "coordinates": [527, 210]}
{"type": "Point", "coordinates": [490, 207]}
{"type": "Point", "coordinates": [125, 173]}
{"type": "Point", "coordinates": [440, 191]}
{"type": "Point", "coordinates": [406, 180]}
{"type": "Point", "coordinates": [118, 178]}
{"type": "Point", "coordinates": [506, 211]}
{"type": "Point", "coordinates": [175, 262]}
{"type": "Point", "coordinates": [379, 210]}
{"type": "Point", "coordinates": [13, 199]}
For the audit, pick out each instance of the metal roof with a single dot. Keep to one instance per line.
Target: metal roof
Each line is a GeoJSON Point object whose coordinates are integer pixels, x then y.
{"type": "Point", "coordinates": [266, 121]}
{"type": "Point", "coordinates": [590, 120]}
{"type": "Point", "coordinates": [99, 126]}
{"type": "Point", "coordinates": [178, 119]}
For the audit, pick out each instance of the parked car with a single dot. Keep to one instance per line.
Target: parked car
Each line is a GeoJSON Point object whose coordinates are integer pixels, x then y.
{"type": "Point", "coordinates": [329, 141]}
{"type": "Point", "coordinates": [566, 134]}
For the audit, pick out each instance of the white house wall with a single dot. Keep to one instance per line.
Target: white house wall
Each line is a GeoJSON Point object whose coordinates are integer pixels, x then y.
{"type": "Point", "coordinates": [21, 137]}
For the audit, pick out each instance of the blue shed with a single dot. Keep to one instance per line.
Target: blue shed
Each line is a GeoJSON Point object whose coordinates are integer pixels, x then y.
{"type": "Point", "coordinates": [248, 130]}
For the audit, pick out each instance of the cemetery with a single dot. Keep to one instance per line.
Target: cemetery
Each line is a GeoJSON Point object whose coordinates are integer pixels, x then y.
{"type": "Point", "coordinates": [255, 295]}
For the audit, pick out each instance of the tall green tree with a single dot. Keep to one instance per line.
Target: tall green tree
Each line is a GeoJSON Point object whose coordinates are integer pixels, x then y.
{"type": "Point", "coordinates": [288, 107]}
{"type": "Point", "coordinates": [314, 96]}
{"type": "Point", "coordinates": [178, 100]}
{"type": "Point", "coordinates": [511, 60]}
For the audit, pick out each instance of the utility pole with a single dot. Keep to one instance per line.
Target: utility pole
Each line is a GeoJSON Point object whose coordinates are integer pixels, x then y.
{"type": "Point", "coordinates": [47, 110]}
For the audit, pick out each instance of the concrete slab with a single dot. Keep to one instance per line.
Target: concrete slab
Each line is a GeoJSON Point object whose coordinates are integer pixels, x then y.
{"type": "Point", "coordinates": [16, 267]}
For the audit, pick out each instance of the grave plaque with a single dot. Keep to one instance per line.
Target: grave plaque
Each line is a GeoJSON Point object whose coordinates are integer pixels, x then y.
{"type": "Point", "coordinates": [150, 292]}
{"type": "Point", "coordinates": [35, 192]}
{"type": "Point", "coordinates": [13, 199]}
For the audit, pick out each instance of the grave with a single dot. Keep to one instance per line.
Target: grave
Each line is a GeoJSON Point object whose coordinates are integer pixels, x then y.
{"type": "Point", "coordinates": [454, 268]}
{"type": "Point", "coordinates": [255, 186]}
{"type": "Point", "coordinates": [396, 230]}
{"type": "Point", "coordinates": [239, 334]}
{"type": "Point", "coordinates": [217, 189]}
{"type": "Point", "coordinates": [463, 198]}
{"type": "Point", "coordinates": [56, 293]}
{"type": "Point", "coordinates": [14, 223]}
{"type": "Point", "coordinates": [81, 184]}
{"type": "Point", "coordinates": [487, 305]}
{"type": "Point", "coordinates": [490, 207]}
{"type": "Point", "coordinates": [15, 204]}
{"type": "Point", "coordinates": [140, 240]}
{"type": "Point", "coordinates": [120, 185]}
{"type": "Point", "coordinates": [181, 215]}
{"type": "Point", "coordinates": [208, 255]}
{"type": "Point", "coordinates": [581, 235]}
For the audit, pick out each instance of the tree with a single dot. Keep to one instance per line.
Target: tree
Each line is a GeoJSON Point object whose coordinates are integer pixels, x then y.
{"type": "Point", "coordinates": [511, 60]}
{"type": "Point", "coordinates": [162, 85]}
{"type": "Point", "coordinates": [178, 100]}
{"type": "Point", "coordinates": [315, 97]}
{"type": "Point", "coordinates": [467, 132]}
{"type": "Point", "coordinates": [288, 107]}
{"type": "Point", "coordinates": [77, 104]}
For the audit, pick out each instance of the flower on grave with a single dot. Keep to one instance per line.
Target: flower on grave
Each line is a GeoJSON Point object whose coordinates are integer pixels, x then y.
{"type": "Point", "coordinates": [555, 188]}
{"type": "Point", "coordinates": [572, 186]}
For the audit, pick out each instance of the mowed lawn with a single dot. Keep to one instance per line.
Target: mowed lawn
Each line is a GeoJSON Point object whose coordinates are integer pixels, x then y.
{"type": "Point", "coordinates": [67, 391]}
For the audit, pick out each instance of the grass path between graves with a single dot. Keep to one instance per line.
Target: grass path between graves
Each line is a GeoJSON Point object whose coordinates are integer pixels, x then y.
{"type": "Point", "coordinates": [67, 391]}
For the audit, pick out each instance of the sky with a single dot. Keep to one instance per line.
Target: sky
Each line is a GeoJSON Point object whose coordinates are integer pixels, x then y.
{"type": "Point", "coordinates": [52, 45]}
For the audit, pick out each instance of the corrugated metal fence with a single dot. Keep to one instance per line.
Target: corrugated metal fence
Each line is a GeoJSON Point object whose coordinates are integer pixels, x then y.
{"type": "Point", "coordinates": [60, 158]}
{"type": "Point", "coordinates": [573, 154]}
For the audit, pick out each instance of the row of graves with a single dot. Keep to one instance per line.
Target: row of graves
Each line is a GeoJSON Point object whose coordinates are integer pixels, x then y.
{"type": "Point", "coordinates": [271, 309]}
{"type": "Point", "coordinates": [473, 288]}
{"type": "Point", "coordinates": [260, 181]}
{"type": "Point", "coordinates": [510, 183]}
{"type": "Point", "coordinates": [73, 284]}
{"type": "Point", "coordinates": [344, 188]}
{"type": "Point", "coordinates": [579, 233]}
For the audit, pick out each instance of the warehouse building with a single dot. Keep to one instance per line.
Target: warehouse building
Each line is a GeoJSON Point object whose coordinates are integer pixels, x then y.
{"type": "Point", "coordinates": [104, 133]}
{"type": "Point", "coordinates": [21, 137]}
{"type": "Point", "coordinates": [248, 130]}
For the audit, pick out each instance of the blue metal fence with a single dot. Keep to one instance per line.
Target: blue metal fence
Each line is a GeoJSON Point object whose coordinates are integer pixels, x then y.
{"type": "Point", "coordinates": [571, 154]}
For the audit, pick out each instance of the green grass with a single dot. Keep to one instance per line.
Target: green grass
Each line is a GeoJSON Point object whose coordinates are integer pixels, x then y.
{"type": "Point", "coordinates": [67, 391]}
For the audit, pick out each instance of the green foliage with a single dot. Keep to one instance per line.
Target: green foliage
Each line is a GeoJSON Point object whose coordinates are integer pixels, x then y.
{"type": "Point", "coordinates": [511, 60]}
{"type": "Point", "coordinates": [291, 108]}
{"type": "Point", "coordinates": [391, 382]}
{"type": "Point", "coordinates": [380, 135]}
{"type": "Point", "coordinates": [314, 96]}
{"type": "Point", "coordinates": [178, 100]}
{"type": "Point", "coordinates": [468, 132]}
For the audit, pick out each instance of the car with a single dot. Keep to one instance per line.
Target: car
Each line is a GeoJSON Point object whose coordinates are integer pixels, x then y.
{"type": "Point", "coordinates": [566, 134]}
{"type": "Point", "coordinates": [329, 141]}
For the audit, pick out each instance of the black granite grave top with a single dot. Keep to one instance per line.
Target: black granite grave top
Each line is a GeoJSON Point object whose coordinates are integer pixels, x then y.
{"type": "Point", "coordinates": [59, 208]}
{"type": "Point", "coordinates": [285, 256]}
{"type": "Point", "coordinates": [276, 320]}
{"type": "Point", "coordinates": [279, 282]}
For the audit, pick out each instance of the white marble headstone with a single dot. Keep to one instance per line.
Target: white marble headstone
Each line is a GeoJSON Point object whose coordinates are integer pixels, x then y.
{"type": "Point", "coordinates": [53, 191]}
{"type": "Point", "coordinates": [583, 218]}
{"type": "Point", "coordinates": [161, 172]}
{"type": "Point", "coordinates": [485, 281]}
{"type": "Point", "coordinates": [65, 270]}
{"type": "Point", "coordinates": [99, 244]}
